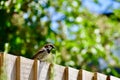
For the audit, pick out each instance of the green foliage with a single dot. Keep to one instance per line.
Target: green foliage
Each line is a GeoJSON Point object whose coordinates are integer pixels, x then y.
{"type": "Point", "coordinates": [3, 75]}
{"type": "Point", "coordinates": [81, 38]}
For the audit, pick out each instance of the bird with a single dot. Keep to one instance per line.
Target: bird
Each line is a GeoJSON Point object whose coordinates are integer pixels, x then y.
{"type": "Point", "coordinates": [43, 52]}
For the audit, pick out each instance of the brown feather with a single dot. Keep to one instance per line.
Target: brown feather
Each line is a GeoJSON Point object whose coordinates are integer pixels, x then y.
{"type": "Point", "coordinates": [37, 54]}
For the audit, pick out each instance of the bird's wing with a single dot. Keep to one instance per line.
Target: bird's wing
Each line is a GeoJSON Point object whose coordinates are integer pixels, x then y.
{"type": "Point", "coordinates": [38, 53]}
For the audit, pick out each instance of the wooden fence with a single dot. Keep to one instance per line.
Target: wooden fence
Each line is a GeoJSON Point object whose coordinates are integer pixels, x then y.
{"type": "Point", "coordinates": [20, 68]}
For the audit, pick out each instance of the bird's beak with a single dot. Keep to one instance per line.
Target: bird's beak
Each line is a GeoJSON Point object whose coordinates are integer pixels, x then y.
{"type": "Point", "coordinates": [54, 50]}
{"type": "Point", "coordinates": [54, 47]}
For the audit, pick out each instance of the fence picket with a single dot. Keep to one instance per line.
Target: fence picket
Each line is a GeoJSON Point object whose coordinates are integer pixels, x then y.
{"type": "Point", "coordinates": [85, 75]}
{"type": "Point", "coordinates": [1, 63]}
{"type": "Point", "coordinates": [35, 68]}
{"type": "Point", "coordinates": [72, 73]}
{"type": "Point", "coordinates": [43, 70]}
{"type": "Point", "coordinates": [66, 74]}
{"type": "Point", "coordinates": [26, 69]}
{"type": "Point", "coordinates": [20, 68]}
{"type": "Point", "coordinates": [10, 66]}
{"type": "Point", "coordinates": [99, 76]}
{"type": "Point", "coordinates": [112, 78]}
{"type": "Point", "coordinates": [7, 66]}
{"type": "Point", "coordinates": [58, 72]}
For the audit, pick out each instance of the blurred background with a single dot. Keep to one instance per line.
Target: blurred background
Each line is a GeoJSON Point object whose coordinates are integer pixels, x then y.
{"type": "Point", "coordinates": [86, 33]}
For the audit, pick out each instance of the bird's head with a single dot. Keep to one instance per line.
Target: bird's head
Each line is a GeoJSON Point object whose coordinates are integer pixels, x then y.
{"type": "Point", "coordinates": [49, 47]}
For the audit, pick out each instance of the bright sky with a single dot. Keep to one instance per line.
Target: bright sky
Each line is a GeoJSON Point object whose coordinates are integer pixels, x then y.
{"type": "Point", "coordinates": [102, 7]}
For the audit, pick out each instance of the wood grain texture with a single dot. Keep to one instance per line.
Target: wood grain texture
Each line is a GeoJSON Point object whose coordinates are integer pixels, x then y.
{"type": "Point", "coordinates": [112, 78]}
{"type": "Point", "coordinates": [18, 68]}
{"type": "Point", "coordinates": [72, 73]}
{"type": "Point", "coordinates": [85, 75]}
{"type": "Point", "coordinates": [1, 63]}
{"type": "Point", "coordinates": [35, 69]}
{"type": "Point", "coordinates": [43, 70]}
{"type": "Point", "coordinates": [66, 74]}
{"type": "Point", "coordinates": [10, 66]}
{"type": "Point", "coordinates": [58, 72]}
{"type": "Point", "coordinates": [99, 76]}
{"type": "Point", "coordinates": [26, 68]}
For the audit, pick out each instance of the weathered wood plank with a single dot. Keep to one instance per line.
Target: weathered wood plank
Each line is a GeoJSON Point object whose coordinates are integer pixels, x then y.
{"type": "Point", "coordinates": [99, 76]}
{"type": "Point", "coordinates": [10, 66]}
{"type": "Point", "coordinates": [43, 70]}
{"type": "Point", "coordinates": [72, 73]}
{"type": "Point", "coordinates": [66, 74]}
{"type": "Point", "coordinates": [26, 69]}
{"type": "Point", "coordinates": [18, 68]}
{"type": "Point", "coordinates": [85, 75]}
{"type": "Point", "coordinates": [1, 63]}
{"type": "Point", "coordinates": [35, 69]}
{"type": "Point", "coordinates": [58, 72]}
{"type": "Point", "coordinates": [0, 60]}
{"type": "Point", "coordinates": [112, 78]}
